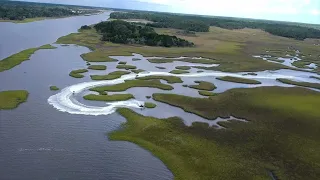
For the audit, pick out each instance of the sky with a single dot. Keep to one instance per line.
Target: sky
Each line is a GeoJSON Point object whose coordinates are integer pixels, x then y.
{"type": "Point", "coordinates": [307, 11]}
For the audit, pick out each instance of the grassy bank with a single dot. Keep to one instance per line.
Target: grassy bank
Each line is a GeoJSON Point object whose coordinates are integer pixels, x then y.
{"type": "Point", "coordinates": [169, 79]}
{"type": "Point", "coordinates": [97, 67]}
{"type": "Point", "coordinates": [18, 58]}
{"type": "Point", "coordinates": [77, 73]}
{"type": "Point", "coordinates": [96, 57]}
{"type": "Point", "coordinates": [110, 76]}
{"type": "Point", "coordinates": [203, 85]}
{"type": "Point", "coordinates": [133, 83]}
{"type": "Point", "coordinates": [238, 80]}
{"type": "Point", "coordinates": [303, 84]}
{"type": "Point", "coordinates": [279, 137]}
{"type": "Point", "coordinates": [207, 93]}
{"type": "Point", "coordinates": [114, 97]}
{"type": "Point", "coordinates": [12, 99]}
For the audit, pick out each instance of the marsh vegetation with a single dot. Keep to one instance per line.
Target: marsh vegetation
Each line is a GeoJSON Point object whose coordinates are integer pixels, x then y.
{"type": "Point", "coordinates": [12, 99]}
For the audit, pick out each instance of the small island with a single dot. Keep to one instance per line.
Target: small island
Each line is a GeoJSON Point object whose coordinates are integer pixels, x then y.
{"type": "Point", "coordinates": [54, 88]}
{"type": "Point", "coordinates": [12, 99]}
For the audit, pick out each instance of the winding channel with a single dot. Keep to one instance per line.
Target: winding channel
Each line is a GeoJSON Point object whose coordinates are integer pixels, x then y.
{"type": "Point", "coordinates": [65, 100]}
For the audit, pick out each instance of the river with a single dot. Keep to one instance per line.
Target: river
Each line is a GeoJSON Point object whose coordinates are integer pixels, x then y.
{"type": "Point", "coordinates": [39, 142]}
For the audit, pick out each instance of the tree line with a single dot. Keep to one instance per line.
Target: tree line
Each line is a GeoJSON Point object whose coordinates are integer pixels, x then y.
{"type": "Point", "coordinates": [203, 23]}
{"type": "Point", "coordinates": [164, 20]}
{"type": "Point", "coordinates": [123, 32]}
{"type": "Point", "coordinates": [11, 10]}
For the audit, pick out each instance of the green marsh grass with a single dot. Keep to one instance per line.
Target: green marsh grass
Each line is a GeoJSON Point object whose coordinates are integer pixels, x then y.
{"type": "Point", "coordinates": [203, 85]}
{"type": "Point", "coordinates": [278, 137]}
{"type": "Point", "coordinates": [54, 88]}
{"type": "Point", "coordinates": [12, 99]}
{"type": "Point", "coordinates": [97, 67]}
{"type": "Point", "coordinates": [303, 84]}
{"type": "Point", "coordinates": [133, 83]}
{"type": "Point", "coordinates": [110, 76]}
{"type": "Point", "coordinates": [18, 58]}
{"type": "Point", "coordinates": [149, 105]}
{"type": "Point", "coordinates": [177, 71]}
{"type": "Point", "coordinates": [113, 97]}
{"type": "Point", "coordinates": [169, 79]}
{"type": "Point", "coordinates": [77, 73]}
{"type": "Point", "coordinates": [207, 93]}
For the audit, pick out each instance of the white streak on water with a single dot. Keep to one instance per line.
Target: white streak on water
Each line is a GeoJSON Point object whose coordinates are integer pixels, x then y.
{"type": "Point", "coordinates": [65, 100]}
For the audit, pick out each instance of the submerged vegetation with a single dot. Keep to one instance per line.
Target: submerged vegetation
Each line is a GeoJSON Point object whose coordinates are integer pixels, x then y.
{"type": "Point", "coordinates": [12, 99]}
{"type": "Point", "coordinates": [238, 80]}
{"type": "Point", "coordinates": [169, 79]}
{"type": "Point", "coordinates": [77, 73]}
{"type": "Point", "coordinates": [18, 58]}
{"type": "Point", "coordinates": [303, 84]}
{"type": "Point", "coordinates": [128, 33]}
{"type": "Point", "coordinates": [203, 85]}
{"type": "Point", "coordinates": [113, 97]}
{"type": "Point", "coordinates": [133, 83]}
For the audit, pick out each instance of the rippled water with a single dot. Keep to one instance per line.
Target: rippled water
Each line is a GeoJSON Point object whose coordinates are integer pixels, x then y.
{"type": "Point", "coordinates": [39, 142]}
{"type": "Point", "coordinates": [17, 37]}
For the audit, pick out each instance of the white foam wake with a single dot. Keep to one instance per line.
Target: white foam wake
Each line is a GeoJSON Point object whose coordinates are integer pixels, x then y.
{"type": "Point", "coordinates": [65, 100]}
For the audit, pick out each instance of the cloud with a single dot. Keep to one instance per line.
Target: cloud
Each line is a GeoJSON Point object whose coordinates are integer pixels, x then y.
{"type": "Point", "coordinates": [228, 6]}
{"type": "Point", "coordinates": [315, 12]}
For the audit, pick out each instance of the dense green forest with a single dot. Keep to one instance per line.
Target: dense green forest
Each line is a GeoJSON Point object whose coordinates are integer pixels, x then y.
{"type": "Point", "coordinates": [162, 20]}
{"type": "Point", "coordinates": [129, 33]}
{"type": "Point", "coordinates": [16, 10]}
{"type": "Point", "coordinates": [202, 23]}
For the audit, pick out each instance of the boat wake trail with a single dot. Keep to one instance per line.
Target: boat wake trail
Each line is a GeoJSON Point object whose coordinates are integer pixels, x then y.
{"type": "Point", "coordinates": [65, 100]}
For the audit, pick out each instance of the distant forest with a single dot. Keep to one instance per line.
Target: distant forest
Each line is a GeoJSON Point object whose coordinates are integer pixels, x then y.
{"type": "Point", "coordinates": [202, 24]}
{"type": "Point", "coordinates": [129, 33]}
{"type": "Point", "coordinates": [15, 10]}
